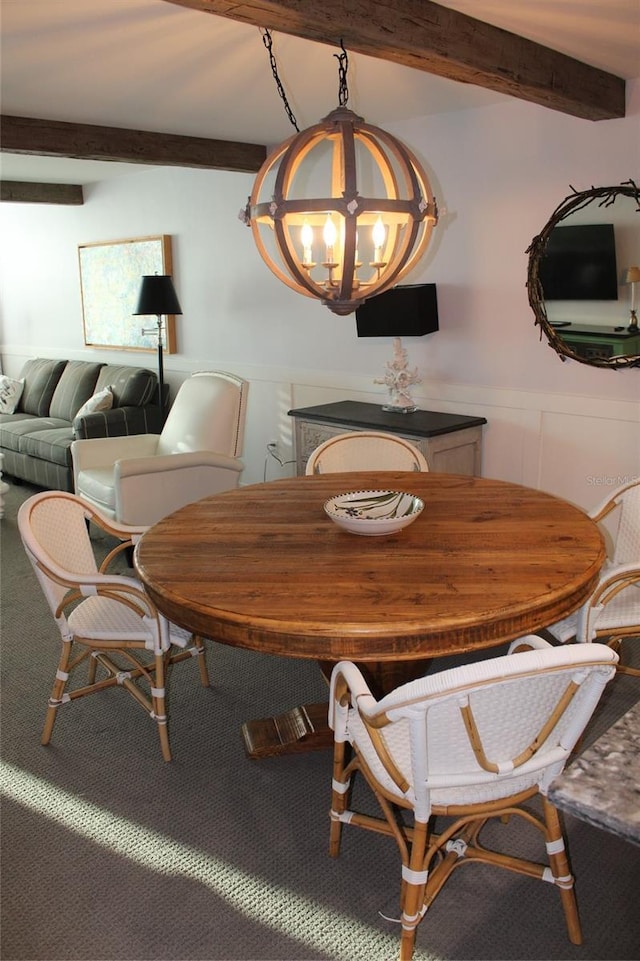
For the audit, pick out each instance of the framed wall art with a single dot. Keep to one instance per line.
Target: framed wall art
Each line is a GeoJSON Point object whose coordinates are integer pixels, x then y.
{"type": "Point", "coordinates": [110, 278]}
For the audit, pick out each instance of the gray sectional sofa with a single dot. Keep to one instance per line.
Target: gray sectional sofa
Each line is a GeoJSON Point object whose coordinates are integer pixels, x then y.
{"type": "Point", "coordinates": [35, 440]}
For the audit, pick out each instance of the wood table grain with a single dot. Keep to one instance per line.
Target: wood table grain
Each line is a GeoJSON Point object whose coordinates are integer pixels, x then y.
{"type": "Point", "coordinates": [263, 567]}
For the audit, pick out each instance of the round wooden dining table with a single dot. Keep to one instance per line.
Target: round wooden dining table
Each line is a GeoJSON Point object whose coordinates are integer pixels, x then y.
{"type": "Point", "coordinates": [263, 567]}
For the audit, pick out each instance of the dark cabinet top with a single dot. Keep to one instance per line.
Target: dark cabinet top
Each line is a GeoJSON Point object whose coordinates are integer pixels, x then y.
{"type": "Point", "coordinates": [423, 423]}
{"type": "Point", "coordinates": [618, 333]}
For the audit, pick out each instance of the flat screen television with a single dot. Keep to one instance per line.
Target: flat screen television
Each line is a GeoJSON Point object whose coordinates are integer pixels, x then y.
{"type": "Point", "coordinates": [580, 263]}
{"type": "Point", "coordinates": [404, 311]}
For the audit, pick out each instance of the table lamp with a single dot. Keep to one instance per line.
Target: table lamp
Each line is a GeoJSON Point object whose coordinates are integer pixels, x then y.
{"type": "Point", "coordinates": [157, 296]}
{"type": "Point", "coordinates": [632, 276]}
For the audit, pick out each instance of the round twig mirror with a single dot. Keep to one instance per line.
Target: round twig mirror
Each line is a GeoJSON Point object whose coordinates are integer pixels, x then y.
{"type": "Point", "coordinates": [557, 334]}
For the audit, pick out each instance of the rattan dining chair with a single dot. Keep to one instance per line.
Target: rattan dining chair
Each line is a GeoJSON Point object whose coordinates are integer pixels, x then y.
{"type": "Point", "coordinates": [105, 620]}
{"type": "Point", "coordinates": [613, 610]}
{"type": "Point", "coordinates": [365, 450]}
{"type": "Point", "coordinates": [471, 743]}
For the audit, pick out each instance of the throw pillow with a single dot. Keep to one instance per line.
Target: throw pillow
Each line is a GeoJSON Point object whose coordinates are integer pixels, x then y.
{"type": "Point", "coordinates": [10, 393]}
{"type": "Point", "coordinates": [103, 400]}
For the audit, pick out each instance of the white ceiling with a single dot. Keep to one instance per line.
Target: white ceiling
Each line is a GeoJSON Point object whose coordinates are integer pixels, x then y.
{"type": "Point", "coordinates": [152, 65]}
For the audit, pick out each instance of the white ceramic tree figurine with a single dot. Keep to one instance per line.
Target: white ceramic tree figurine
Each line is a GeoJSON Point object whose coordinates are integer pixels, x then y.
{"type": "Point", "coordinates": [398, 378]}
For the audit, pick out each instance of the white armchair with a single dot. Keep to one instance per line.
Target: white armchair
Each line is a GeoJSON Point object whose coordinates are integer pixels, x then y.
{"type": "Point", "coordinates": [139, 479]}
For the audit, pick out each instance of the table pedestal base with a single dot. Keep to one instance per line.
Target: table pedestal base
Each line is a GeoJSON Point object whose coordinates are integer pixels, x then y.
{"type": "Point", "coordinates": [297, 731]}
{"type": "Point", "coordinates": [306, 728]}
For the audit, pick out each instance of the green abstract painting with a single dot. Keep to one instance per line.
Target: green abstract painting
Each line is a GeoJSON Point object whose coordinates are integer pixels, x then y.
{"type": "Point", "coordinates": [110, 278]}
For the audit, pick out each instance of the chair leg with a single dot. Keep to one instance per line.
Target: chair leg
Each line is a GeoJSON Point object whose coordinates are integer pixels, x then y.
{"type": "Point", "coordinates": [413, 887]}
{"type": "Point", "coordinates": [561, 871]}
{"type": "Point", "coordinates": [159, 705]}
{"type": "Point", "coordinates": [91, 672]}
{"type": "Point", "coordinates": [339, 795]}
{"type": "Point", "coordinates": [198, 643]}
{"type": "Point", "coordinates": [197, 650]}
{"type": "Point", "coordinates": [57, 692]}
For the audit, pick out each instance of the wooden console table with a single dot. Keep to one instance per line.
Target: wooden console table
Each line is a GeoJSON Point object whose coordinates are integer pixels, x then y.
{"type": "Point", "coordinates": [452, 443]}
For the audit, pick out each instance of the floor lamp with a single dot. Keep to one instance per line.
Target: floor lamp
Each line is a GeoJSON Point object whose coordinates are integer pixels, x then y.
{"type": "Point", "coordinates": [157, 296]}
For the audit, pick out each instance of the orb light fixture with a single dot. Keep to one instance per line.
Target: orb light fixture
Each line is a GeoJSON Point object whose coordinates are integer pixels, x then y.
{"type": "Point", "coordinates": [342, 210]}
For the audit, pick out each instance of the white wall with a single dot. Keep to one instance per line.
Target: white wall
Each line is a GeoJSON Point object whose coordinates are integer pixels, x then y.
{"type": "Point", "coordinates": [498, 172]}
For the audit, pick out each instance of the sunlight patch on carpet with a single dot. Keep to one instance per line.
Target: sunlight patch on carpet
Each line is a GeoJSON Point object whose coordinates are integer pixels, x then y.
{"type": "Point", "coordinates": [264, 902]}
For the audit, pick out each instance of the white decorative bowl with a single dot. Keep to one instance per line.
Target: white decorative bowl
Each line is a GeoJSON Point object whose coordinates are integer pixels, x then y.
{"type": "Point", "coordinates": [373, 512]}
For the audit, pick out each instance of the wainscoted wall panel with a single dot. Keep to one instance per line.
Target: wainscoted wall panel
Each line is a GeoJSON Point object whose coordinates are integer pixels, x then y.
{"type": "Point", "coordinates": [583, 457]}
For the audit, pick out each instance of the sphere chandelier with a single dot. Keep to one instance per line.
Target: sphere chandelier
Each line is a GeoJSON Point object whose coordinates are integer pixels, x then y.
{"type": "Point", "coordinates": [342, 210]}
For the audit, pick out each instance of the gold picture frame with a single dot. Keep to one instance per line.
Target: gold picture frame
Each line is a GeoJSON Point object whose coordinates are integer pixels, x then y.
{"type": "Point", "coordinates": [110, 277]}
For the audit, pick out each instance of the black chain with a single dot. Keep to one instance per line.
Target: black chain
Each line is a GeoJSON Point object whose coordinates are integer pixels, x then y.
{"type": "Point", "coordinates": [343, 66]}
{"type": "Point", "coordinates": [268, 42]}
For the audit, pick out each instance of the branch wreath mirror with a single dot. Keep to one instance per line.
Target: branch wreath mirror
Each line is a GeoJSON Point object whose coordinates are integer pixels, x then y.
{"type": "Point", "coordinates": [581, 281]}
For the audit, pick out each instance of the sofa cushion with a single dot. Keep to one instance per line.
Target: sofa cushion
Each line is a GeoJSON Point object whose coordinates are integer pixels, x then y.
{"type": "Point", "coordinates": [76, 385]}
{"type": "Point", "coordinates": [131, 386]}
{"type": "Point", "coordinates": [52, 445]}
{"type": "Point", "coordinates": [14, 418]}
{"type": "Point", "coordinates": [12, 434]}
{"type": "Point", "coordinates": [10, 393]}
{"type": "Point", "coordinates": [41, 377]}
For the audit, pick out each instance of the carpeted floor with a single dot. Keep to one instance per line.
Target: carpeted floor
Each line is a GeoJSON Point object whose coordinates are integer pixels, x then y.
{"type": "Point", "coordinates": [110, 853]}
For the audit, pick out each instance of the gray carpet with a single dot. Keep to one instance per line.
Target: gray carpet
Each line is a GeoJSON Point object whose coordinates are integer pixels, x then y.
{"type": "Point", "coordinates": [109, 853]}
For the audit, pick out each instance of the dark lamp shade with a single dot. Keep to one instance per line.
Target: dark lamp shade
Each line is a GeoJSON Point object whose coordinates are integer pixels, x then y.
{"type": "Point", "coordinates": [157, 296]}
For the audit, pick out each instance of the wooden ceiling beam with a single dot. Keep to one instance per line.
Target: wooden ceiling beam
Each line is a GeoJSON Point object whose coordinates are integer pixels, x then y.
{"type": "Point", "coordinates": [435, 39]}
{"type": "Point", "coordinates": [25, 192]}
{"type": "Point", "coordinates": [52, 138]}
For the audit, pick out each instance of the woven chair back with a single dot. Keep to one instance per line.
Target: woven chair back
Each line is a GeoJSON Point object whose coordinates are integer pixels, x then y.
{"type": "Point", "coordinates": [54, 532]}
{"type": "Point", "coordinates": [365, 450]}
{"type": "Point", "coordinates": [627, 541]}
{"type": "Point", "coordinates": [484, 731]}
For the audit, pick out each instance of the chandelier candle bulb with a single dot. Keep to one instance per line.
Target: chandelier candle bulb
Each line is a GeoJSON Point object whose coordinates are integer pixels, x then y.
{"type": "Point", "coordinates": [329, 234]}
{"type": "Point", "coordinates": [307, 240]}
{"type": "Point", "coordinates": [378, 240]}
